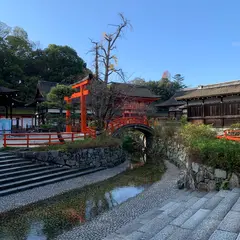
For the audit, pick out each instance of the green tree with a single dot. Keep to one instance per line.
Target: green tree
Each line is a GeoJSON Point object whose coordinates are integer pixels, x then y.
{"type": "Point", "coordinates": [55, 99]}
{"type": "Point", "coordinates": [21, 60]}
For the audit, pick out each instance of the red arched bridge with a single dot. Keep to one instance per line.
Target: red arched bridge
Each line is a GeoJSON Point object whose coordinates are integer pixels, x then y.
{"type": "Point", "coordinates": [114, 127]}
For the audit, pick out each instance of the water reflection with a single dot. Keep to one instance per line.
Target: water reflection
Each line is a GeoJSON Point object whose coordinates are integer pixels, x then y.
{"type": "Point", "coordinates": [44, 223]}
{"type": "Point", "coordinates": [48, 219]}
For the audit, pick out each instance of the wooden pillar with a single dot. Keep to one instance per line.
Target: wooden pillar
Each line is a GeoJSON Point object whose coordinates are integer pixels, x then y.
{"type": "Point", "coordinates": [83, 111]}
{"type": "Point", "coordinates": [221, 112]}
{"type": "Point", "coordinates": [68, 116]}
{"type": "Point", "coordinates": [6, 114]}
{"type": "Point", "coordinates": [203, 111]}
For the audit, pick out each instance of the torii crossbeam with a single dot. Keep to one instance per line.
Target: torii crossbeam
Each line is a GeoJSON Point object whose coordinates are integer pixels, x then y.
{"type": "Point", "coordinates": [83, 110]}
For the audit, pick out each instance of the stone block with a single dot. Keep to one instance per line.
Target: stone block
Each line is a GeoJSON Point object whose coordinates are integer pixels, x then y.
{"type": "Point", "coordinates": [156, 225]}
{"type": "Point", "coordinates": [130, 228]}
{"type": "Point", "coordinates": [199, 203]}
{"type": "Point", "coordinates": [196, 219]}
{"type": "Point", "coordinates": [234, 181]}
{"type": "Point", "coordinates": [195, 167]}
{"type": "Point", "coordinates": [212, 203]}
{"type": "Point", "coordinates": [180, 234]}
{"type": "Point", "coordinates": [211, 185]}
{"type": "Point", "coordinates": [204, 230]}
{"type": "Point", "coordinates": [223, 235]}
{"type": "Point", "coordinates": [224, 206]}
{"type": "Point", "coordinates": [236, 206]}
{"type": "Point", "coordinates": [183, 217]}
{"type": "Point", "coordinates": [218, 173]}
{"type": "Point", "coordinates": [165, 233]}
{"type": "Point", "coordinates": [231, 222]}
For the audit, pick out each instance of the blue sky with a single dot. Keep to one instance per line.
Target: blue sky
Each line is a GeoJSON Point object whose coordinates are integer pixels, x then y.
{"type": "Point", "coordinates": [199, 39]}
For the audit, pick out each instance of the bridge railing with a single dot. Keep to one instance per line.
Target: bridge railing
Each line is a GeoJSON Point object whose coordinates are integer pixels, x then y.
{"type": "Point", "coordinates": [38, 139]}
{"type": "Point", "coordinates": [119, 122]}
{"type": "Point", "coordinates": [231, 134]}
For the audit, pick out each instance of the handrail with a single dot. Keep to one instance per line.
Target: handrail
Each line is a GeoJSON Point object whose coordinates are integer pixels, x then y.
{"type": "Point", "coordinates": [119, 122]}
{"type": "Point", "coordinates": [9, 139]}
{"type": "Point", "coordinates": [229, 134]}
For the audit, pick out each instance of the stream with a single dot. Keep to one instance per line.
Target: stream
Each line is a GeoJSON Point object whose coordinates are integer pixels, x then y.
{"type": "Point", "coordinates": [48, 219]}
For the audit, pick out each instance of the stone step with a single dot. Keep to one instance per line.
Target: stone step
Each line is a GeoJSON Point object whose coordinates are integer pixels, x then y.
{"type": "Point", "coordinates": [42, 177]}
{"type": "Point", "coordinates": [5, 157]}
{"type": "Point", "coordinates": [23, 175]}
{"type": "Point", "coordinates": [16, 164]}
{"type": "Point", "coordinates": [11, 160]}
{"type": "Point", "coordinates": [49, 181]}
{"type": "Point", "coordinates": [26, 167]}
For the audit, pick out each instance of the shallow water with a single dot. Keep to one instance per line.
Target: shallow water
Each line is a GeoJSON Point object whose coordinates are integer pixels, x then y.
{"type": "Point", "coordinates": [50, 218]}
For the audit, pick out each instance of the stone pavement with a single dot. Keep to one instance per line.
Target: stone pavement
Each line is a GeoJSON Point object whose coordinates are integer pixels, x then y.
{"type": "Point", "coordinates": [191, 216]}
{"type": "Point", "coordinates": [165, 212]}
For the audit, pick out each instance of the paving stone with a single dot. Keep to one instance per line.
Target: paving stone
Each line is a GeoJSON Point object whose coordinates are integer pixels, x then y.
{"type": "Point", "coordinates": [224, 206]}
{"type": "Point", "coordinates": [183, 217]}
{"type": "Point", "coordinates": [177, 212]}
{"type": "Point", "coordinates": [172, 208]}
{"type": "Point", "coordinates": [236, 190]}
{"type": "Point", "coordinates": [223, 235]}
{"type": "Point", "coordinates": [199, 203]}
{"type": "Point", "coordinates": [222, 193]}
{"type": "Point", "coordinates": [191, 201]}
{"type": "Point", "coordinates": [212, 203]}
{"type": "Point", "coordinates": [236, 206]}
{"type": "Point", "coordinates": [231, 222]}
{"type": "Point", "coordinates": [129, 228]}
{"type": "Point", "coordinates": [180, 234]}
{"type": "Point", "coordinates": [134, 236]}
{"type": "Point", "coordinates": [165, 233]}
{"type": "Point", "coordinates": [148, 216]}
{"type": "Point", "coordinates": [113, 236]}
{"type": "Point", "coordinates": [210, 194]}
{"type": "Point", "coordinates": [168, 205]}
{"type": "Point", "coordinates": [196, 219]}
{"type": "Point", "coordinates": [154, 226]}
{"type": "Point", "coordinates": [204, 230]}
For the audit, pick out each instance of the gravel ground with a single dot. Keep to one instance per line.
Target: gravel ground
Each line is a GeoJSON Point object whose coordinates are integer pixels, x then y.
{"type": "Point", "coordinates": [24, 198]}
{"type": "Point", "coordinates": [112, 220]}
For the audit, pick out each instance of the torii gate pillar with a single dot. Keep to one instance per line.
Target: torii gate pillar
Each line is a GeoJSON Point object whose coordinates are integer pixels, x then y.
{"type": "Point", "coordinates": [83, 110]}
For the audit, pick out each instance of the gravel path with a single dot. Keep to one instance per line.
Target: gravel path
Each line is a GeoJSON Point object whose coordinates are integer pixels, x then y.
{"type": "Point", "coordinates": [114, 219]}
{"type": "Point", "coordinates": [24, 198]}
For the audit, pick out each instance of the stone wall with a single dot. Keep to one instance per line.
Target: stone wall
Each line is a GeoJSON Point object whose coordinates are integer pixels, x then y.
{"type": "Point", "coordinates": [81, 158]}
{"type": "Point", "coordinates": [198, 176]}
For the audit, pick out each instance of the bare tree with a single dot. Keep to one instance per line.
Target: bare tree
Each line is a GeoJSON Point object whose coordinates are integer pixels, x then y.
{"type": "Point", "coordinates": [106, 99]}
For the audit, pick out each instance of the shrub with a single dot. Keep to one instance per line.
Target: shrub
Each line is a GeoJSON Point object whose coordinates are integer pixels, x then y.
{"type": "Point", "coordinates": [183, 120]}
{"type": "Point", "coordinates": [190, 133]}
{"type": "Point", "coordinates": [219, 153]}
{"type": "Point", "coordinates": [128, 144]}
{"type": "Point", "coordinates": [235, 126]}
{"type": "Point", "coordinates": [100, 141]}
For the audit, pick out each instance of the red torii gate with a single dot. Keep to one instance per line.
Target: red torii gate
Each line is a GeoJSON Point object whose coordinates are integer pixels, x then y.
{"type": "Point", "coordinates": [83, 110]}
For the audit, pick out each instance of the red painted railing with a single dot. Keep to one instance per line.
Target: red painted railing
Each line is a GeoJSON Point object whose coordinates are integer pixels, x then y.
{"type": "Point", "coordinates": [119, 122]}
{"type": "Point", "coordinates": [38, 139]}
{"type": "Point", "coordinates": [233, 135]}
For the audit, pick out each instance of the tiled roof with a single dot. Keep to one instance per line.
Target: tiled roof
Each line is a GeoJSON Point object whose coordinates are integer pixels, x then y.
{"type": "Point", "coordinates": [132, 90]}
{"type": "Point", "coordinates": [221, 89]}
{"type": "Point", "coordinates": [45, 87]}
{"type": "Point", "coordinates": [4, 90]}
{"type": "Point", "coordinates": [172, 101]}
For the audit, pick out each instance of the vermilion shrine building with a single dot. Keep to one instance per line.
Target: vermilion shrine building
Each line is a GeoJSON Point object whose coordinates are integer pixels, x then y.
{"type": "Point", "coordinates": [137, 99]}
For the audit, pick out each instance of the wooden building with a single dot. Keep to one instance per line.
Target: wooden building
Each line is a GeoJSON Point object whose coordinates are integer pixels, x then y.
{"type": "Point", "coordinates": [173, 109]}
{"type": "Point", "coordinates": [217, 104]}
